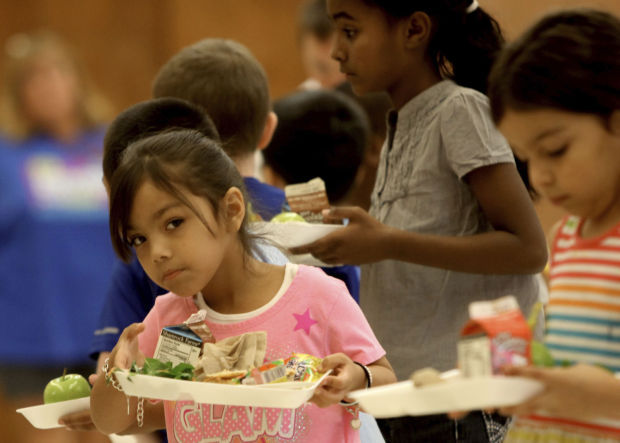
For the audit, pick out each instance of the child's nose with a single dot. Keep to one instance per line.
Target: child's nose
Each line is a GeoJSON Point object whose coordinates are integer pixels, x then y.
{"type": "Point", "coordinates": [336, 52]}
{"type": "Point", "coordinates": [540, 176]}
{"type": "Point", "coordinates": [160, 252]}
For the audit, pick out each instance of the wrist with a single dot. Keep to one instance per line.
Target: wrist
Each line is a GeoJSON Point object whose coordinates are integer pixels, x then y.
{"type": "Point", "coordinates": [367, 375]}
{"type": "Point", "coordinates": [365, 384]}
{"type": "Point", "coordinates": [389, 243]}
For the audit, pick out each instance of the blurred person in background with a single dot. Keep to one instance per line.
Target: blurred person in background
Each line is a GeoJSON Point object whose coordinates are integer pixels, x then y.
{"type": "Point", "coordinates": [316, 36]}
{"type": "Point", "coordinates": [55, 256]}
{"type": "Point", "coordinates": [376, 105]}
{"type": "Point", "coordinates": [321, 133]}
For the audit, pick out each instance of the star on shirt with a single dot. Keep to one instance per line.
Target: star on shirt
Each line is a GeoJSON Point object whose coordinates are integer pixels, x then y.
{"type": "Point", "coordinates": [304, 321]}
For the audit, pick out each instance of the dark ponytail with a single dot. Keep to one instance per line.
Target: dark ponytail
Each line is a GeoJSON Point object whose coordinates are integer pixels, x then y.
{"type": "Point", "coordinates": [464, 44]}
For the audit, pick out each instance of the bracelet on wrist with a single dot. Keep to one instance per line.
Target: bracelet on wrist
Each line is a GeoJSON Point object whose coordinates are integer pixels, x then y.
{"type": "Point", "coordinates": [367, 372]}
{"type": "Point", "coordinates": [368, 383]}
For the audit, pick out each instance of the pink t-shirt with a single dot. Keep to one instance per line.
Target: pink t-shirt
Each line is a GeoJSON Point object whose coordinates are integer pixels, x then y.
{"type": "Point", "coordinates": [315, 315]}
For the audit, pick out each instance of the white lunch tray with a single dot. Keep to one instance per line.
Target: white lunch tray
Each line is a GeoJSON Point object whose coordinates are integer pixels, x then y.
{"type": "Point", "coordinates": [46, 416]}
{"type": "Point", "coordinates": [453, 394]}
{"type": "Point", "coordinates": [290, 395]}
{"type": "Point", "coordinates": [292, 234]}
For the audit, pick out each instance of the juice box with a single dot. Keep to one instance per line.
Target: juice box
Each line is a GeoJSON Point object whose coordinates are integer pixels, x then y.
{"type": "Point", "coordinates": [496, 335]}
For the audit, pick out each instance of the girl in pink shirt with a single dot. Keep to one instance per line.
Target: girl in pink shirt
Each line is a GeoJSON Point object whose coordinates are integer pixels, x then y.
{"type": "Point", "coordinates": [178, 201]}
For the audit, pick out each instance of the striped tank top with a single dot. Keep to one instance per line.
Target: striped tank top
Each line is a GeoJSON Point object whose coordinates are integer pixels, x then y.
{"type": "Point", "coordinates": [582, 325]}
{"type": "Point", "coordinates": [583, 315]}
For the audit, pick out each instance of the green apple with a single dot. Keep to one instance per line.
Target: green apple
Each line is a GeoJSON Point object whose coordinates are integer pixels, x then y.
{"type": "Point", "coordinates": [541, 355]}
{"type": "Point", "coordinates": [66, 387]}
{"type": "Point", "coordinates": [284, 217]}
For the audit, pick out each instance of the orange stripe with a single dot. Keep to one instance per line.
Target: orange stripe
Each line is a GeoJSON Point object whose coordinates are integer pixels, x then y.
{"type": "Point", "coordinates": [586, 304]}
{"type": "Point", "coordinates": [587, 425]}
{"type": "Point", "coordinates": [575, 288]}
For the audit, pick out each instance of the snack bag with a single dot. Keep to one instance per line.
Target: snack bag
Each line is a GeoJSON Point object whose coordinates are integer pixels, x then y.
{"type": "Point", "coordinates": [304, 366]}
{"type": "Point", "coordinates": [273, 372]}
{"type": "Point", "coordinates": [297, 367]}
{"type": "Point", "coordinates": [495, 336]}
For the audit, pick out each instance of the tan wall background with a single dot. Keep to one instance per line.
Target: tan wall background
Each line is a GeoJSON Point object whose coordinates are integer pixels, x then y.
{"type": "Point", "coordinates": [123, 43]}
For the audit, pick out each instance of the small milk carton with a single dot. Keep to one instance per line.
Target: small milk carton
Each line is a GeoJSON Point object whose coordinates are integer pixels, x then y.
{"type": "Point", "coordinates": [496, 335]}
{"type": "Point", "coordinates": [178, 344]}
{"type": "Point", "coordinates": [183, 343]}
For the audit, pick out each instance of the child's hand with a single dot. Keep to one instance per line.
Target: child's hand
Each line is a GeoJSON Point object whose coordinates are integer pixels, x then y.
{"type": "Point", "coordinates": [78, 421]}
{"type": "Point", "coordinates": [126, 350]}
{"type": "Point", "coordinates": [581, 391]}
{"type": "Point", "coordinates": [345, 377]}
{"type": "Point", "coordinates": [361, 241]}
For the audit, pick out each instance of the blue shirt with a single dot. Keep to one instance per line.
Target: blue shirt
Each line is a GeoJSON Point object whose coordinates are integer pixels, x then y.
{"type": "Point", "coordinates": [267, 200]}
{"type": "Point", "coordinates": [55, 251]}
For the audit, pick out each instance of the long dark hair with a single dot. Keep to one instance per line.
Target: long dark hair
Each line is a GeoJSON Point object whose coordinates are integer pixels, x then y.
{"type": "Point", "coordinates": [569, 60]}
{"type": "Point", "coordinates": [174, 160]}
{"type": "Point", "coordinates": [463, 44]}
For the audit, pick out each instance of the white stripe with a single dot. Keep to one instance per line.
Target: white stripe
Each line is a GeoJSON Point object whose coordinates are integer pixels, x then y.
{"type": "Point", "coordinates": [586, 296]}
{"type": "Point", "coordinates": [583, 327]}
{"type": "Point", "coordinates": [585, 268]}
{"type": "Point", "coordinates": [586, 281]}
{"type": "Point", "coordinates": [583, 311]}
{"type": "Point", "coordinates": [570, 227]}
{"type": "Point", "coordinates": [597, 254]}
{"type": "Point", "coordinates": [584, 358]}
{"type": "Point", "coordinates": [564, 243]}
{"type": "Point", "coordinates": [611, 241]}
{"type": "Point", "coordinates": [582, 342]}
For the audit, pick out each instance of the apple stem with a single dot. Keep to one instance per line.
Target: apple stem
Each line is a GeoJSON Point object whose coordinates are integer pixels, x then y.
{"type": "Point", "coordinates": [64, 373]}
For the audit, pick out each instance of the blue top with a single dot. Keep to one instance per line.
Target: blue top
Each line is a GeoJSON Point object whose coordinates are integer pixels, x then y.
{"type": "Point", "coordinates": [55, 252]}
{"type": "Point", "coordinates": [350, 275]}
{"type": "Point", "coordinates": [267, 200]}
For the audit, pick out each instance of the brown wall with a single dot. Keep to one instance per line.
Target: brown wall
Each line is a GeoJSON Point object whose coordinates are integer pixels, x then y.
{"type": "Point", "coordinates": [123, 42]}
{"type": "Point", "coordinates": [516, 15]}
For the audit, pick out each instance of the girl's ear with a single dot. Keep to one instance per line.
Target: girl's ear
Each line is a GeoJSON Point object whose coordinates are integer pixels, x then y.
{"type": "Point", "coordinates": [614, 122]}
{"type": "Point", "coordinates": [233, 209]}
{"type": "Point", "coordinates": [418, 29]}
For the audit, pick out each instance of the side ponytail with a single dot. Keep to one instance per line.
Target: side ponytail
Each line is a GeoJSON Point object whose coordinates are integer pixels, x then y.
{"type": "Point", "coordinates": [464, 44]}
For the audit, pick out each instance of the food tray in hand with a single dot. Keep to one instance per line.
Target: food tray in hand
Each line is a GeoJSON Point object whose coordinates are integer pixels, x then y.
{"type": "Point", "coordinates": [293, 234]}
{"type": "Point", "coordinates": [46, 416]}
{"type": "Point", "coordinates": [453, 394]}
{"type": "Point", "coordinates": [289, 395]}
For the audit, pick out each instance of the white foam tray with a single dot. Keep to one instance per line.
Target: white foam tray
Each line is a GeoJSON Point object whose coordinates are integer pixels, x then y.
{"type": "Point", "coordinates": [275, 395]}
{"type": "Point", "coordinates": [454, 394]}
{"type": "Point", "coordinates": [46, 416]}
{"type": "Point", "coordinates": [292, 234]}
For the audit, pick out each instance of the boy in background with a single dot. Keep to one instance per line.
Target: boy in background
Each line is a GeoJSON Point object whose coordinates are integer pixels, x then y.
{"type": "Point", "coordinates": [225, 79]}
{"type": "Point", "coordinates": [321, 133]}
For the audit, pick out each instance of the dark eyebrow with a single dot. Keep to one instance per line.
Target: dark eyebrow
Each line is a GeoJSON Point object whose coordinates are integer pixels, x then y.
{"type": "Point", "coordinates": [159, 213]}
{"type": "Point", "coordinates": [547, 133]}
{"type": "Point", "coordinates": [342, 14]}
